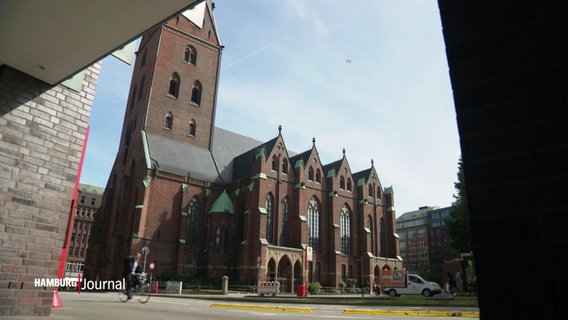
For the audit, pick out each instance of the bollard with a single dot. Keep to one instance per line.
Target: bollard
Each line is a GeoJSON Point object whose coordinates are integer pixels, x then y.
{"type": "Point", "coordinates": [225, 285]}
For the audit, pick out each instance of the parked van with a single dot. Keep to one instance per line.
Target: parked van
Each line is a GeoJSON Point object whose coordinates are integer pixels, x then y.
{"type": "Point", "coordinates": [396, 283]}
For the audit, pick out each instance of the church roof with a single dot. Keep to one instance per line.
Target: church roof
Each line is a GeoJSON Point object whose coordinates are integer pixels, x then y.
{"type": "Point", "coordinates": [362, 175]}
{"type": "Point", "coordinates": [304, 156]}
{"type": "Point", "coordinates": [242, 165]}
{"type": "Point", "coordinates": [183, 158]}
{"type": "Point", "coordinates": [334, 166]}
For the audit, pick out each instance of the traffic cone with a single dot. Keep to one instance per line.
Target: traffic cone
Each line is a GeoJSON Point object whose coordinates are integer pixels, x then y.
{"type": "Point", "coordinates": [56, 302]}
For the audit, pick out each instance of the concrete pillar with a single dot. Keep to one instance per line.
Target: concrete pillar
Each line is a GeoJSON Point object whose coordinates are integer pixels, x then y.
{"type": "Point", "coordinates": [225, 285]}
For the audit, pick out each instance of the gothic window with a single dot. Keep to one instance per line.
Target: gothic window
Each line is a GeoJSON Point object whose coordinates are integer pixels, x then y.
{"type": "Point", "coordinates": [382, 237]}
{"type": "Point", "coordinates": [274, 163]}
{"type": "Point", "coordinates": [192, 128]}
{"type": "Point", "coordinates": [285, 166]}
{"type": "Point", "coordinates": [311, 174]}
{"type": "Point", "coordinates": [190, 55]}
{"type": "Point", "coordinates": [269, 218]}
{"type": "Point", "coordinates": [345, 230]}
{"type": "Point", "coordinates": [169, 121]}
{"type": "Point", "coordinates": [217, 237]}
{"type": "Point", "coordinates": [196, 93]}
{"type": "Point", "coordinates": [341, 182]}
{"type": "Point", "coordinates": [285, 222]}
{"type": "Point", "coordinates": [192, 221]}
{"type": "Point", "coordinates": [370, 190]}
{"type": "Point", "coordinates": [173, 90]}
{"type": "Point", "coordinates": [318, 175]}
{"type": "Point", "coordinates": [370, 227]}
{"type": "Point", "coordinates": [378, 193]}
{"type": "Point", "coordinates": [313, 224]}
{"type": "Point", "coordinates": [349, 186]}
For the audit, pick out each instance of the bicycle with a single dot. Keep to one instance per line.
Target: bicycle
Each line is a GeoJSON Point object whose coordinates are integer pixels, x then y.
{"type": "Point", "coordinates": [141, 291]}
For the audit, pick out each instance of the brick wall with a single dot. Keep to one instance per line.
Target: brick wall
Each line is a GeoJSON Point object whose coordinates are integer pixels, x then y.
{"type": "Point", "coordinates": [42, 130]}
{"type": "Point", "coordinates": [508, 70]}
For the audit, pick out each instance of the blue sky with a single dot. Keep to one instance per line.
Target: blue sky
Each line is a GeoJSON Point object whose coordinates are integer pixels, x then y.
{"type": "Point", "coordinates": [368, 76]}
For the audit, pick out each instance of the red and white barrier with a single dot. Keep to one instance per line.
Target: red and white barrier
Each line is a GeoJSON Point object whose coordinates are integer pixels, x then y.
{"type": "Point", "coordinates": [268, 288]}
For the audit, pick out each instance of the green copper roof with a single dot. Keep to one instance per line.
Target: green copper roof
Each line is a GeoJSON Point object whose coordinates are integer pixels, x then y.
{"type": "Point", "coordinates": [223, 204]}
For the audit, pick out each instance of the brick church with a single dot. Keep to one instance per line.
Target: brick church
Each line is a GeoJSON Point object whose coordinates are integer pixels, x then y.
{"type": "Point", "coordinates": [210, 203]}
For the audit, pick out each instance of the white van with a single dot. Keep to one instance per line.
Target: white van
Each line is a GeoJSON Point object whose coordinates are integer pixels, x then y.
{"type": "Point", "coordinates": [413, 284]}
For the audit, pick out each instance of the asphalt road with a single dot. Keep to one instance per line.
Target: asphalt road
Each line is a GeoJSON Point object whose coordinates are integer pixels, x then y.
{"type": "Point", "coordinates": [91, 306]}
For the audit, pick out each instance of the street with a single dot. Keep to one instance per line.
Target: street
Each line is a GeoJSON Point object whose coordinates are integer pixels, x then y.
{"type": "Point", "coordinates": [91, 306]}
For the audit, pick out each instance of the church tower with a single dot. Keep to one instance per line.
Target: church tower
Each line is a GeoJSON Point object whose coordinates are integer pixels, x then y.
{"type": "Point", "coordinates": [174, 85]}
{"type": "Point", "coordinates": [172, 97]}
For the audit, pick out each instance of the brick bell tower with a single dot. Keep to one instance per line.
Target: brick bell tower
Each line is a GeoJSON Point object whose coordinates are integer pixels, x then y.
{"type": "Point", "coordinates": [173, 95]}
{"type": "Point", "coordinates": [174, 84]}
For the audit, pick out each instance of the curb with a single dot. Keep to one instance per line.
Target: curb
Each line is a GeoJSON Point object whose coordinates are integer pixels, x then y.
{"type": "Point", "coordinates": [284, 309]}
{"type": "Point", "coordinates": [414, 313]}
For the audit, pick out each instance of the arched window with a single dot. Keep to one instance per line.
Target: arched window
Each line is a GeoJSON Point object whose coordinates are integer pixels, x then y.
{"type": "Point", "coordinates": [192, 128]}
{"type": "Point", "coordinates": [268, 207]}
{"type": "Point", "coordinates": [274, 163]}
{"type": "Point", "coordinates": [190, 55]}
{"type": "Point", "coordinates": [173, 89]}
{"type": "Point", "coordinates": [345, 229]}
{"type": "Point", "coordinates": [378, 193]}
{"type": "Point", "coordinates": [313, 224]}
{"type": "Point", "coordinates": [285, 222]}
{"type": "Point", "coordinates": [370, 190]}
{"type": "Point", "coordinates": [382, 238]}
{"type": "Point", "coordinates": [169, 121]}
{"type": "Point", "coordinates": [285, 166]}
{"type": "Point", "coordinates": [349, 186]}
{"type": "Point", "coordinates": [341, 182]}
{"type": "Point", "coordinates": [311, 174]}
{"type": "Point", "coordinates": [192, 221]}
{"type": "Point", "coordinates": [370, 227]}
{"type": "Point", "coordinates": [196, 93]}
{"type": "Point", "coordinates": [318, 175]}
{"type": "Point", "coordinates": [218, 237]}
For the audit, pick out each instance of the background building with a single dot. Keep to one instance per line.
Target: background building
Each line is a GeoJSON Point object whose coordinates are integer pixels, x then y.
{"type": "Point", "coordinates": [439, 243]}
{"type": "Point", "coordinates": [424, 245]}
{"type": "Point", "coordinates": [89, 200]}
{"type": "Point", "coordinates": [412, 228]}
{"type": "Point", "coordinates": [210, 203]}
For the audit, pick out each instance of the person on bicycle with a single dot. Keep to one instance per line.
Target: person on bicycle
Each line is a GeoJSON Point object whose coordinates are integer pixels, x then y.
{"type": "Point", "coordinates": [132, 267]}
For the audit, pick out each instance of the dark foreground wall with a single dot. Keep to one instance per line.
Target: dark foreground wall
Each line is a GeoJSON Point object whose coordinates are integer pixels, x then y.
{"type": "Point", "coordinates": [509, 71]}
{"type": "Point", "coordinates": [42, 131]}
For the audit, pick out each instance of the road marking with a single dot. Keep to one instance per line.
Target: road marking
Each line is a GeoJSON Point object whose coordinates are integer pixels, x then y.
{"type": "Point", "coordinates": [265, 308]}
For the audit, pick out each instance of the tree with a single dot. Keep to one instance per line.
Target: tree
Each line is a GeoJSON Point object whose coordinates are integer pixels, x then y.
{"type": "Point", "coordinates": [458, 223]}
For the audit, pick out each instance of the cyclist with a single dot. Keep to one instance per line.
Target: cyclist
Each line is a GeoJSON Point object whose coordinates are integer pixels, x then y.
{"type": "Point", "coordinates": [132, 267]}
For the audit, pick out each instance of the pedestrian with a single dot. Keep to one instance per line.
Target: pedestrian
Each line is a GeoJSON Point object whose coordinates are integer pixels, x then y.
{"type": "Point", "coordinates": [459, 283]}
{"type": "Point", "coordinates": [376, 288]}
{"type": "Point", "coordinates": [450, 283]}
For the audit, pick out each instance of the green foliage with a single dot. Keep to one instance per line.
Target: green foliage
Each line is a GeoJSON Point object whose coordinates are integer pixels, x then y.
{"type": "Point", "coordinates": [458, 223]}
{"type": "Point", "coordinates": [314, 287]}
{"type": "Point", "coordinates": [169, 275]}
{"type": "Point", "coordinates": [348, 285]}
